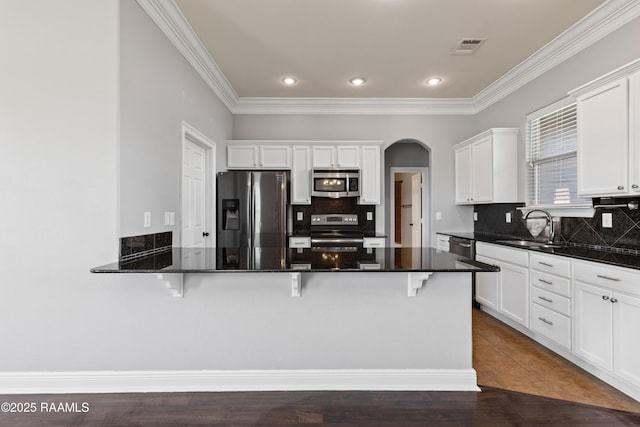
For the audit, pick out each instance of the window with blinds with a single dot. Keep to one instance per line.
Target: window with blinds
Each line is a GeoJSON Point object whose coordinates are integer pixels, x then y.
{"type": "Point", "coordinates": [551, 156]}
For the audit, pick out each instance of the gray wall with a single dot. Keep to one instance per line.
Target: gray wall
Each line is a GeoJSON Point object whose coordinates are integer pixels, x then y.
{"type": "Point", "coordinates": [58, 181]}
{"type": "Point", "coordinates": [159, 89]}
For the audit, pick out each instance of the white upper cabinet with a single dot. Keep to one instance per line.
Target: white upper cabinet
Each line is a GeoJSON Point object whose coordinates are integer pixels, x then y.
{"type": "Point", "coordinates": [242, 156]}
{"type": "Point", "coordinates": [301, 175]}
{"type": "Point", "coordinates": [370, 175]}
{"type": "Point", "coordinates": [331, 156]}
{"type": "Point", "coordinates": [486, 168]}
{"type": "Point", "coordinates": [323, 156]}
{"type": "Point", "coordinates": [274, 157]}
{"type": "Point", "coordinates": [603, 142]}
{"type": "Point", "coordinates": [258, 156]}
{"type": "Point", "coordinates": [609, 134]}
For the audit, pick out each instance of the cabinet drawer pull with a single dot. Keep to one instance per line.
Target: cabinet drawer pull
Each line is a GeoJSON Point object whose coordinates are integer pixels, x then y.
{"type": "Point", "coordinates": [634, 186]}
{"type": "Point", "coordinates": [546, 282]}
{"type": "Point", "coordinates": [620, 187]}
{"type": "Point", "coordinates": [614, 300]}
{"type": "Point", "coordinates": [545, 321]}
{"type": "Point", "coordinates": [604, 297]}
{"type": "Point", "coordinates": [615, 279]}
{"type": "Point", "coordinates": [546, 264]}
{"type": "Point", "coordinates": [545, 299]}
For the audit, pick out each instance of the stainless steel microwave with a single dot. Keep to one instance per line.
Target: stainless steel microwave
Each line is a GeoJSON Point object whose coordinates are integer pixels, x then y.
{"type": "Point", "coordinates": [335, 183]}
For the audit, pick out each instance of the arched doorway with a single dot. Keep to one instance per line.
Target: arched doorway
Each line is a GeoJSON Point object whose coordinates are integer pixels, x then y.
{"type": "Point", "coordinates": [408, 193]}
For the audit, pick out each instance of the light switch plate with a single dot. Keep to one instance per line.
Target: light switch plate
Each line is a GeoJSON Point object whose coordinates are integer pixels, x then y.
{"type": "Point", "coordinates": [607, 220]}
{"type": "Point", "coordinates": [169, 218]}
{"type": "Point", "coordinates": [438, 216]}
{"type": "Point", "coordinates": [147, 219]}
{"type": "Point", "coordinates": [369, 216]}
{"type": "Point", "coordinates": [475, 216]}
{"type": "Point", "coordinates": [507, 217]}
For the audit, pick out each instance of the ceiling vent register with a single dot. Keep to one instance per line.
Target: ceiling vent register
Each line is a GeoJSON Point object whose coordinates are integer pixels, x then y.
{"type": "Point", "coordinates": [468, 46]}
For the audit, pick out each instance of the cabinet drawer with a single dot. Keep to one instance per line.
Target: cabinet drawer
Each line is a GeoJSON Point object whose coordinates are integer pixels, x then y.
{"type": "Point", "coordinates": [615, 278]}
{"type": "Point", "coordinates": [551, 301]}
{"type": "Point", "coordinates": [551, 324]}
{"type": "Point", "coordinates": [503, 253]}
{"type": "Point", "coordinates": [556, 284]}
{"type": "Point", "coordinates": [299, 242]}
{"type": "Point", "coordinates": [551, 264]}
{"type": "Point", "coordinates": [373, 242]}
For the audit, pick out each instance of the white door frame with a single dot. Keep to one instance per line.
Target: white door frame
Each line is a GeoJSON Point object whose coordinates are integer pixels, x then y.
{"type": "Point", "coordinates": [189, 133]}
{"type": "Point", "coordinates": [426, 214]}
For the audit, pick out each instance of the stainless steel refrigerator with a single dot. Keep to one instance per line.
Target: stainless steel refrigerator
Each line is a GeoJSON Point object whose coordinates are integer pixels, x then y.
{"type": "Point", "coordinates": [251, 209]}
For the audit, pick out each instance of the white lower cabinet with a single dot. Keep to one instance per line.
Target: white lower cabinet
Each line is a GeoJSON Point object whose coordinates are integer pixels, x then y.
{"type": "Point", "coordinates": [442, 242]}
{"type": "Point", "coordinates": [487, 285]}
{"type": "Point", "coordinates": [589, 310]}
{"type": "Point", "coordinates": [507, 291]}
{"type": "Point", "coordinates": [607, 319]}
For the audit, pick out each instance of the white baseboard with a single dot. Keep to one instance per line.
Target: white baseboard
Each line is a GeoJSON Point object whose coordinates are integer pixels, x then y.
{"type": "Point", "coordinates": [238, 380]}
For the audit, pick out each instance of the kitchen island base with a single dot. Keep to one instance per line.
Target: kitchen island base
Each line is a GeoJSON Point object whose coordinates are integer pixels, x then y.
{"type": "Point", "coordinates": [350, 331]}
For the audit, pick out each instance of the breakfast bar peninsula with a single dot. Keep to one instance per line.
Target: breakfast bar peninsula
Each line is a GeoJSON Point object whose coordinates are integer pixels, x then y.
{"type": "Point", "coordinates": [299, 319]}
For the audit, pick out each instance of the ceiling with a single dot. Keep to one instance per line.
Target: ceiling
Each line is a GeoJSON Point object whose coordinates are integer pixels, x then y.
{"type": "Point", "coordinates": [394, 44]}
{"type": "Point", "coordinates": [243, 48]}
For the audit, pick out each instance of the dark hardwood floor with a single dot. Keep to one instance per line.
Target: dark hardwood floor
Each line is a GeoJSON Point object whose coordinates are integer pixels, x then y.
{"type": "Point", "coordinates": [505, 359]}
{"type": "Point", "coordinates": [491, 407]}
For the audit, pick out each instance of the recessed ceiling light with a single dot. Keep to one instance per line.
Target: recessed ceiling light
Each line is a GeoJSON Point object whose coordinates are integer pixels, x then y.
{"type": "Point", "coordinates": [289, 81]}
{"type": "Point", "coordinates": [357, 81]}
{"type": "Point", "coordinates": [433, 81]}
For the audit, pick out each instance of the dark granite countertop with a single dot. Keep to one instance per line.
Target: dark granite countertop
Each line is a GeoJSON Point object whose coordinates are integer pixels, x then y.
{"type": "Point", "coordinates": [270, 259]}
{"type": "Point", "coordinates": [567, 249]}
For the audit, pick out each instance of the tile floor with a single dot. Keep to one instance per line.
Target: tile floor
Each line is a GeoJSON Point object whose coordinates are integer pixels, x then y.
{"type": "Point", "coordinates": [504, 358]}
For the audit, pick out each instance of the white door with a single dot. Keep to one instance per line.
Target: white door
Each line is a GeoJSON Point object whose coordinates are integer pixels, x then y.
{"type": "Point", "coordinates": [593, 320]}
{"type": "Point", "coordinates": [416, 210]}
{"type": "Point", "coordinates": [603, 140]}
{"type": "Point", "coordinates": [463, 175]}
{"type": "Point", "coordinates": [626, 329]}
{"type": "Point", "coordinates": [514, 292]}
{"type": "Point", "coordinates": [193, 195]}
{"type": "Point", "coordinates": [481, 171]}
{"type": "Point", "coordinates": [487, 285]}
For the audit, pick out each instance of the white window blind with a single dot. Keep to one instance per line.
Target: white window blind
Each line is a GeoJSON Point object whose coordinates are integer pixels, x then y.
{"type": "Point", "coordinates": [551, 156]}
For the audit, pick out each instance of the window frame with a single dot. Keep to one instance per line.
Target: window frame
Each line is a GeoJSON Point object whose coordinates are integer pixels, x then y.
{"type": "Point", "coordinates": [584, 209]}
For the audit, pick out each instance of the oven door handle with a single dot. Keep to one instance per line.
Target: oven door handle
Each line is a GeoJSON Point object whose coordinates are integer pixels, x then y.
{"type": "Point", "coordinates": [337, 240]}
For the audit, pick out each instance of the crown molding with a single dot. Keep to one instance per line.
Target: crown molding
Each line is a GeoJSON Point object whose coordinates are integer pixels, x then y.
{"type": "Point", "coordinates": [173, 24]}
{"type": "Point", "coordinates": [607, 18]}
{"type": "Point", "coordinates": [406, 106]}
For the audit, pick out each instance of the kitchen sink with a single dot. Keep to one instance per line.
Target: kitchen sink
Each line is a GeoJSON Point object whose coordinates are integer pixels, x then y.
{"type": "Point", "coordinates": [530, 244]}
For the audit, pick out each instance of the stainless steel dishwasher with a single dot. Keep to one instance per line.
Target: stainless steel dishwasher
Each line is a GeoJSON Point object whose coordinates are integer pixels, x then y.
{"type": "Point", "coordinates": [465, 248]}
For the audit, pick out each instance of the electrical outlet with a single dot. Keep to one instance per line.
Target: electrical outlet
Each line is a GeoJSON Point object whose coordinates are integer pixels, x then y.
{"type": "Point", "coordinates": [147, 219]}
{"type": "Point", "coordinates": [507, 217]}
{"type": "Point", "coordinates": [607, 220]}
{"type": "Point", "coordinates": [475, 216]}
{"type": "Point", "coordinates": [169, 218]}
{"type": "Point", "coordinates": [438, 216]}
{"type": "Point", "coordinates": [369, 216]}
{"type": "Point", "coordinates": [299, 216]}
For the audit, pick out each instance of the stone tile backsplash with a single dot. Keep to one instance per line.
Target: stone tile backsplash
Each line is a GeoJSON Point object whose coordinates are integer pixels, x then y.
{"type": "Point", "coordinates": [624, 236]}
{"type": "Point", "coordinates": [137, 246]}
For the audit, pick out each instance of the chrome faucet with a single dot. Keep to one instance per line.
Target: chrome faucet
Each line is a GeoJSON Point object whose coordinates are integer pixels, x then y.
{"type": "Point", "coordinates": [549, 222]}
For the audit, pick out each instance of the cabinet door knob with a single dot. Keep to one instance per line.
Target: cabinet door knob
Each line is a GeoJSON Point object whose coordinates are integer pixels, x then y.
{"type": "Point", "coordinates": [620, 187]}
{"type": "Point", "coordinates": [613, 300]}
{"type": "Point", "coordinates": [604, 297]}
{"type": "Point", "coordinates": [205, 234]}
{"type": "Point", "coordinates": [634, 186]}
